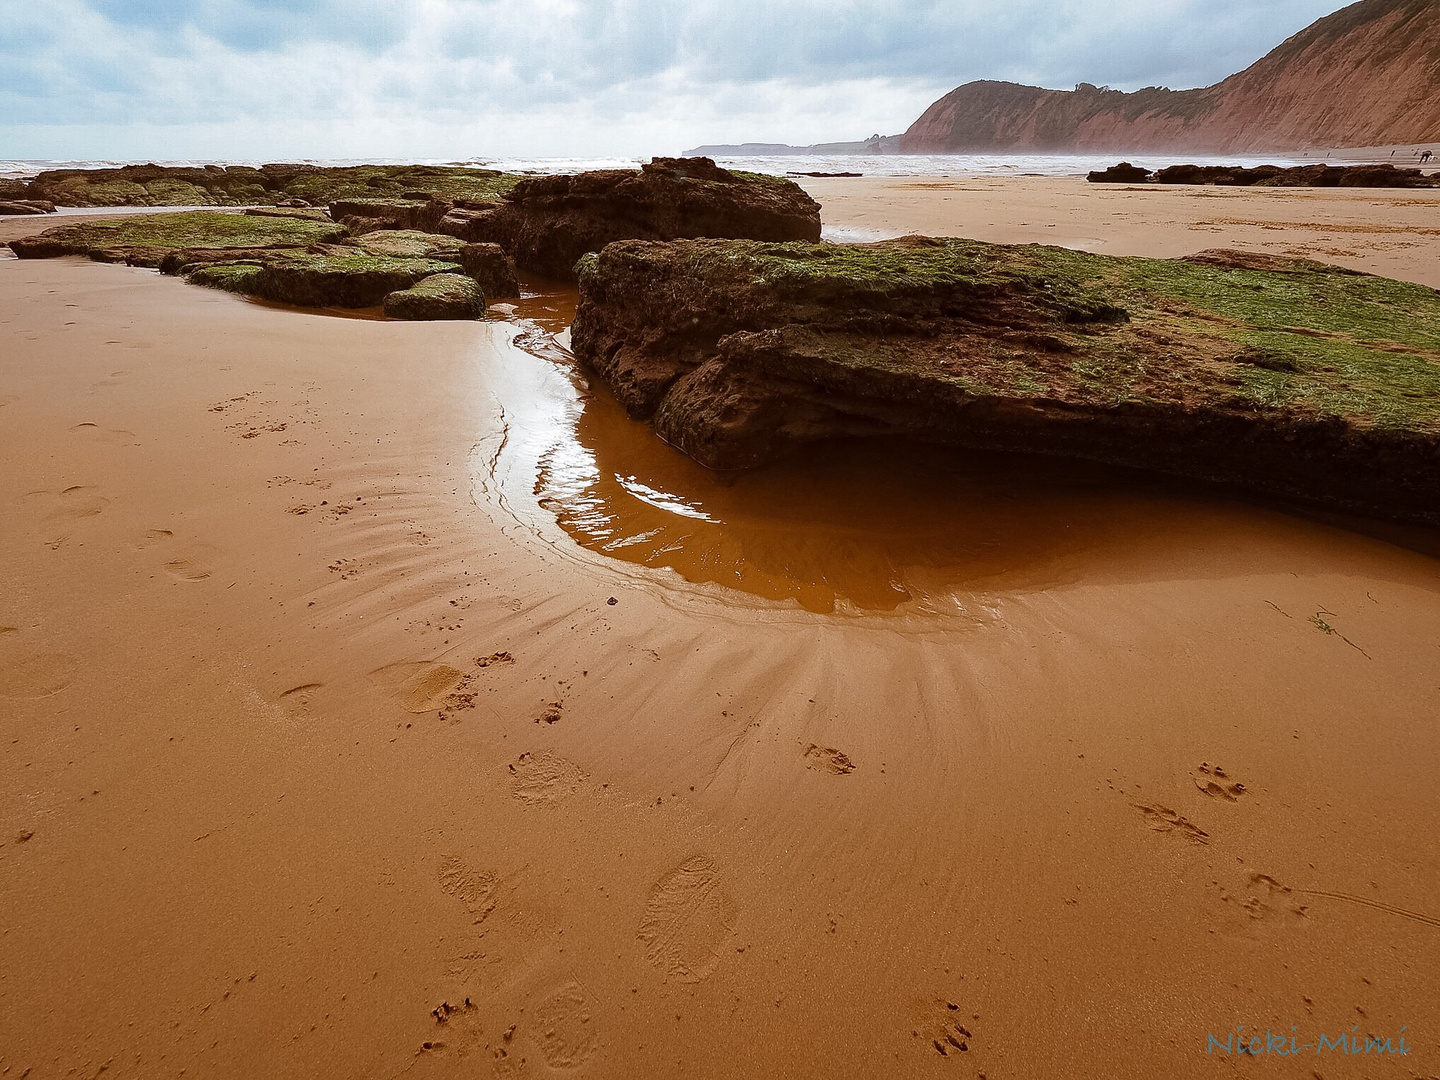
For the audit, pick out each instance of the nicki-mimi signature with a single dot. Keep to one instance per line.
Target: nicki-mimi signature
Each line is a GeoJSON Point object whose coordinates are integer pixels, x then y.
{"type": "Point", "coordinates": [1283, 1045]}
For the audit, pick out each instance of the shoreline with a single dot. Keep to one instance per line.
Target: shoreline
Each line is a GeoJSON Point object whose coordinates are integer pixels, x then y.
{"type": "Point", "coordinates": [989, 162]}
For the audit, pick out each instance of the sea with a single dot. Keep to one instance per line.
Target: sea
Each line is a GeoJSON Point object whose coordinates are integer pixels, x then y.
{"type": "Point", "coordinates": [894, 165]}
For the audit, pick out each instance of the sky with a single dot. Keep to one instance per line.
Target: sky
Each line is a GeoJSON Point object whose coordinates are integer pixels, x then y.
{"type": "Point", "coordinates": [419, 79]}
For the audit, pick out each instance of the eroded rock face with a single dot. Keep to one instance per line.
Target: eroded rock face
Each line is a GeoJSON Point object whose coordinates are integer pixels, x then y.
{"type": "Point", "coordinates": [492, 269]}
{"type": "Point", "coordinates": [548, 222]}
{"type": "Point", "coordinates": [440, 296]}
{"type": "Point", "coordinates": [1301, 381]}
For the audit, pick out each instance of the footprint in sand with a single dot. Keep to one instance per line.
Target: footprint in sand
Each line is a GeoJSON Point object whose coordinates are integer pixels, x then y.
{"type": "Point", "coordinates": [566, 1031]}
{"type": "Point", "coordinates": [151, 538]}
{"type": "Point", "coordinates": [192, 564]}
{"type": "Point", "coordinates": [117, 436]}
{"type": "Point", "coordinates": [77, 502]}
{"type": "Point", "coordinates": [827, 759]}
{"type": "Point", "coordinates": [297, 700]}
{"type": "Point", "coordinates": [1264, 898]}
{"type": "Point", "coordinates": [473, 888]}
{"type": "Point", "coordinates": [1214, 781]}
{"type": "Point", "coordinates": [688, 918]}
{"type": "Point", "coordinates": [421, 685]}
{"type": "Point", "coordinates": [1163, 819]}
{"type": "Point", "coordinates": [543, 777]}
{"type": "Point", "coordinates": [72, 506]}
{"type": "Point", "coordinates": [943, 1028]}
{"type": "Point", "coordinates": [28, 673]}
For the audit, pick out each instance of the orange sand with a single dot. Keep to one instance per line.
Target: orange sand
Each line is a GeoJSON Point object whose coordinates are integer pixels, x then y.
{"type": "Point", "coordinates": [313, 720]}
{"type": "Point", "coordinates": [1394, 233]}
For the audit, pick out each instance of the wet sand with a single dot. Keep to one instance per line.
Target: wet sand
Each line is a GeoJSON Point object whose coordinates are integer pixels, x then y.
{"type": "Point", "coordinates": [323, 706]}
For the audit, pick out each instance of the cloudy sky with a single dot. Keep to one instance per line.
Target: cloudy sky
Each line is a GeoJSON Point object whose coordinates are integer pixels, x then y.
{"type": "Point", "coordinates": [463, 78]}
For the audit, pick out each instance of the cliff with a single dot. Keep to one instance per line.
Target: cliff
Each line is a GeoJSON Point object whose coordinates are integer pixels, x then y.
{"type": "Point", "coordinates": [1368, 75]}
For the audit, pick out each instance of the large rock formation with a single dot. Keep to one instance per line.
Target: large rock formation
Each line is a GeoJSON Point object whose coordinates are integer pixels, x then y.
{"type": "Point", "coordinates": [549, 222]}
{"type": "Point", "coordinates": [1365, 76]}
{"type": "Point", "coordinates": [1296, 379]}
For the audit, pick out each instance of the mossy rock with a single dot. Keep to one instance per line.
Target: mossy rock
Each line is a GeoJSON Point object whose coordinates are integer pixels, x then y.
{"type": "Point", "coordinates": [79, 191]}
{"type": "Point", "coordinates": [1287, 377]}
{"type": "Point", "coordinates": [441, 296]}
{"type": "Point", "coordinates": [232, 277]}
{"type": "Point", "coordinates": [157, 185]}
{"type": "Point", "coordinates": [348, 281]}
{"type": "Point", "coordinates": [409, 244]}
{"type": "Point", "coordinates": [304, 213]}
{"type": "Point", "coordinates": [398, 181]}
{"type": "Point", "coordinates": [178, 193]}
{"type": "Point", "coordinates": [170, 232]}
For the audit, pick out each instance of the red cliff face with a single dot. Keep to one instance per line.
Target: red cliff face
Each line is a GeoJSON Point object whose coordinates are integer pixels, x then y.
{"type": "Point", "coordinates": [1368, 75]}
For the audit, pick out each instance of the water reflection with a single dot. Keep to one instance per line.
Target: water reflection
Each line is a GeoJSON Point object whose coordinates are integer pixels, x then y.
{"type": "Point", "coordinates": [854, 526]}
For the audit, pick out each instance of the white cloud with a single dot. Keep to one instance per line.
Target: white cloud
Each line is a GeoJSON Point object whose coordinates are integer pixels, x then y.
{"type": "Point", "coordinates": [454, 78]}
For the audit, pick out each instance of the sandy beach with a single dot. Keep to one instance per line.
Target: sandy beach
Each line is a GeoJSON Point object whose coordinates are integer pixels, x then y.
{"type": "Point", "coordinates": [1388, 232]}
{"type": "Point", "coordinates": [377, 701]}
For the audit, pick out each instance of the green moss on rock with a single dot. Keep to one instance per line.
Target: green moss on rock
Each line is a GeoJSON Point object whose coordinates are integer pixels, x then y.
{"type": "Point", "coordinates": [408, 243]}
{"type": "Point", "coordinates": [1280, 375]}
{"type": "Point", "coordinates": [441, 296]}
{"type": "Point", "coordinates": [238, 185]}
{"type": "Point", "coordinates": [349, 281]}
{"type": "Point", "coordinates": [169, 232]}
{"type": "Point", "coordinates": [232, 277]}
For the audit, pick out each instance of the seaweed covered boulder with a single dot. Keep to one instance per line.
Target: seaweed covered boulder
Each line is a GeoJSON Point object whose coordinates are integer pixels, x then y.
{"type": "Point", "coordinates": [548, 222]}
{"type": "Point", "coordinates": [1298, 380]}
{"type": "Point", "coordinates": [146, 239]}
{"type": "Point", "coordinates": [440, 296]}
{"type": "Point", "coordinates": [346, 281]}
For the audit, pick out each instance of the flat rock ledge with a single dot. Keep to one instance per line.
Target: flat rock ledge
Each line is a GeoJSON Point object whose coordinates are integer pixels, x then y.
{"type": "Point", "coordinates": [292, 257]}
{"type": "Point", "coordinates": [1283, 377]}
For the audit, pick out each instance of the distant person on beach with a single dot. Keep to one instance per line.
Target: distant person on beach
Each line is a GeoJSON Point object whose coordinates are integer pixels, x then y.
{"type": "Point", "coordinates": [1426, 156]}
